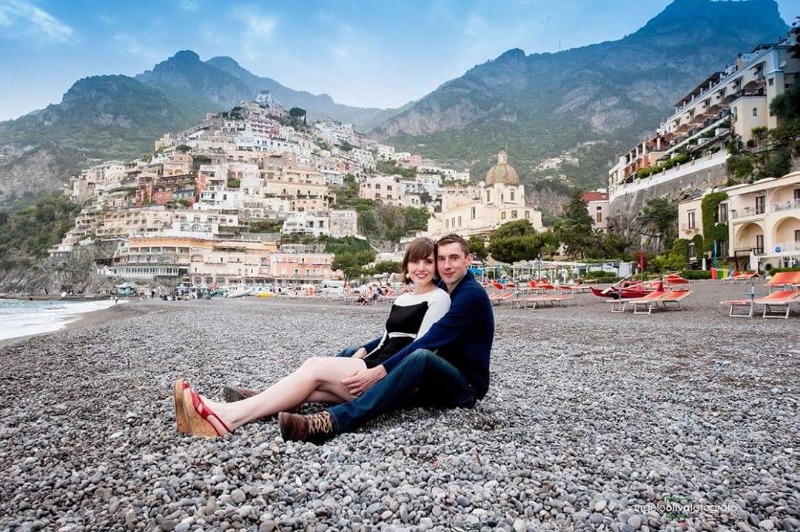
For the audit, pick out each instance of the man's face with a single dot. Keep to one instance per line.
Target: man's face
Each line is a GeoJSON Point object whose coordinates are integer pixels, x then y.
{"type": "Point", "coordinates": [452, 263]}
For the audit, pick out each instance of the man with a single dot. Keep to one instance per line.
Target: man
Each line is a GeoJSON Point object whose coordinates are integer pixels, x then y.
{"type": "Point", "coordinates": [447, 367]}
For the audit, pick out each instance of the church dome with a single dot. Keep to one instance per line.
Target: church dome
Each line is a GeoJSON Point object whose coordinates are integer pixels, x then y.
{"type": "Point", "coordinates": [502, 172]}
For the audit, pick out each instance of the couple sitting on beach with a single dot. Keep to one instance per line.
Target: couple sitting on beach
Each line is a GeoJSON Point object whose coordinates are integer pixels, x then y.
{"type": "Point", "coordinates": [434, 352]}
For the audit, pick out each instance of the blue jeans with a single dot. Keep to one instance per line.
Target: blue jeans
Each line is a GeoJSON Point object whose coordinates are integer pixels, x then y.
{"type": "Point", "coordinates": [421, 379]}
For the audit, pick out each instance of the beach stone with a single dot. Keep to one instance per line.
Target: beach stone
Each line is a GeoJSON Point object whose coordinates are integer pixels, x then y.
{"type": "Point", "coordinates": [635, 521]}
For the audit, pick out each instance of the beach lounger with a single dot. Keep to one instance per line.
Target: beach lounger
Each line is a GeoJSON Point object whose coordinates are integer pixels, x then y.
{"type": "Point", "coordinates": [740, 308]}
{"type": "Point", "coordinates": [777, 304]}
{"type": "Point", "coordinates": [621, 305]}
{"type": "Point", "coordinates": [656, 300]}
{"type": "Point", "coordinates": [544, 300]}
{"type": "Point", "coordinates": [784, 280]}
{"type": "Point", "coordinates": [499, 297]}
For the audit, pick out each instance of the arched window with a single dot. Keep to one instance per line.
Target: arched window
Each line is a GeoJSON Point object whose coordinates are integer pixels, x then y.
{"type": "Point", "coordinates": [755, 111]}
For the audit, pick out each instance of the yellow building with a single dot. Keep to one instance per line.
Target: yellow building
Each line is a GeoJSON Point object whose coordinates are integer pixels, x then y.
{"type": "Point", "coordinates": [763, 221]}
{"type": "Point", "coordinates": [482, 209]}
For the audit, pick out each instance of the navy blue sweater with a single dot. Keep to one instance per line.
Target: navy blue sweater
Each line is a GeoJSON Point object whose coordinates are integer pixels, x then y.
{"type": "Point", "coordinates": [463, 336]}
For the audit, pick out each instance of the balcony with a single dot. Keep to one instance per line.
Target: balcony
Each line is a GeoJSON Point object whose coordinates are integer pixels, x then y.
{"type": "Point", "coordinates": [746, 212]}
{"type": "Point", "coordinates": [786, 205]}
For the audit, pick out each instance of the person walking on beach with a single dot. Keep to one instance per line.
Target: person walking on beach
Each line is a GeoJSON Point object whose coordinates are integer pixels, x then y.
{"type": "Point", "coordinates": [446, 367]}
{"type": "Point", "coordinates": [320, 379]}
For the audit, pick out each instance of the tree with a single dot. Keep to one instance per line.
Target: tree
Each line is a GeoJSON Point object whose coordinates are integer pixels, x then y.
{"type": "Point", "coordinates": [477, 247]}
{"type": "Point", "coordinates": [613, 246]}
{"type": "Point", "coordinates": [516, 241]}
{"type": "Point", "coordinates": [297, 113]}
{"type": "Point", "coordinates": [386, 266]}
{"type": "Point", "coordinates": [575, 231]}
{"type": "Point", "coordinates": [658, 220]}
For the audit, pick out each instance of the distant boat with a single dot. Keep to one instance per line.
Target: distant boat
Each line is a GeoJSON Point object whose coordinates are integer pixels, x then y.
{"type": "Point", "coordinates": [238, 290]}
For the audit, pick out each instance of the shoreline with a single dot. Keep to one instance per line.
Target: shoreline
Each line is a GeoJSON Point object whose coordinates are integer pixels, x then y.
{"type": "Point", "coordinates": [83, 319]}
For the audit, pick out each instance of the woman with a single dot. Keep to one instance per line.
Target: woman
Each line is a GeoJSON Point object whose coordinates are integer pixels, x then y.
{"type": "Point", "coordinates": [318, 379]}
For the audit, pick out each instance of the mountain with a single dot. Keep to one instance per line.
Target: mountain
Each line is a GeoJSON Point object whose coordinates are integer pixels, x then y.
{"type": "Point", "coordinates": [317, 106]}
{"type": "Point", "coordinates": [119, 117]}
{"type": "Point", "coordinates": [100, 117]}
{"type": "Point", "coordinates": [596, 101]}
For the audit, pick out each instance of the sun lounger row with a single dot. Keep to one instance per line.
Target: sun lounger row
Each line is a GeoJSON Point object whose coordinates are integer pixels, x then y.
{"type": "Point", "coordinates": [776, 305]}
{"type": "Point", "coordinates": [740, 277]}
{"type": "Point", "coordinates": [653, 301]}
{"type": "Point", "coordinates": [540, 301]}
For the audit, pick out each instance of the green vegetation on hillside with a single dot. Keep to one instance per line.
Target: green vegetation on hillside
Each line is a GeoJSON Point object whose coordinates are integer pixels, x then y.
{"type": "Point", "coordinates": [29, 233]}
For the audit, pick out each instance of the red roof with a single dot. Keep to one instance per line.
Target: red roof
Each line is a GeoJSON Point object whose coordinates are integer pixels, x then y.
{"type": "Point", "coordinates": [594, 196]}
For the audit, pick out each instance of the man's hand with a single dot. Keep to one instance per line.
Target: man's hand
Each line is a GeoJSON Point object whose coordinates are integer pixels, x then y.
{"type": "Point", "coordinates": [361, 353]}
{"type": "Point", "coordinates": [362, 380]}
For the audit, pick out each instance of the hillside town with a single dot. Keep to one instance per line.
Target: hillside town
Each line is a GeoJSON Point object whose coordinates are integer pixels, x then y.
{"type": "Point", "coordinates": [196, 211]}
{"type": "Point", "coordinates": [192, 211]}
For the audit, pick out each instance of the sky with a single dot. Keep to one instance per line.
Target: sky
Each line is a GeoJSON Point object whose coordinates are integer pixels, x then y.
{"type": "Point", "coordinates": [365, 53]}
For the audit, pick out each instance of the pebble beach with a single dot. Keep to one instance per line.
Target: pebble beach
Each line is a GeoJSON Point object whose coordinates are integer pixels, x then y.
{"type": "Point", "coordinates": [679, 420]}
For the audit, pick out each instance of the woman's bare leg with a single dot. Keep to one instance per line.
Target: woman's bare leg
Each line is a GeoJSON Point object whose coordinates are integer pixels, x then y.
{"type": "Point", "coordinates": [318, 378]}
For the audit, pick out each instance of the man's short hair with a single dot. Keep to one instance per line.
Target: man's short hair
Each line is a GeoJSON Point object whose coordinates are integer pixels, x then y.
{"type": "Point", "coordinates": [453, 238]}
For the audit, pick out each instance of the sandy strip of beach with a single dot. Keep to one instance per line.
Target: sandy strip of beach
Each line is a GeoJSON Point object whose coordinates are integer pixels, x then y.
{"type": "Point", "coordinates": [594, 420]}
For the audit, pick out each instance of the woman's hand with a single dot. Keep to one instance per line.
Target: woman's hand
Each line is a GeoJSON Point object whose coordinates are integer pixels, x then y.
{"type": "Point", "coordinates": [363, 380]}
{"type": "Point", "coordinates": [361, 353]}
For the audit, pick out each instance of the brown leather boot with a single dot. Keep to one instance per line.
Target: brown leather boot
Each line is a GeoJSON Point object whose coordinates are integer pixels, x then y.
{"type": "Point", "coordinates": [313, 428]}
{"type": "Point", "coordinates": [236, 393]}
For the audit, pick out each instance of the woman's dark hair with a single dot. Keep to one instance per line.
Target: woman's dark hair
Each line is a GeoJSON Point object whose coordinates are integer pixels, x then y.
{"type": "Point", "coordinates": [421, 248]}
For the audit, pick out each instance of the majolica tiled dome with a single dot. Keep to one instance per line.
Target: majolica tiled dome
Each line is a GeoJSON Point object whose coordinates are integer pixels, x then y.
{"type": "Point", "coordinates": [502, 172]}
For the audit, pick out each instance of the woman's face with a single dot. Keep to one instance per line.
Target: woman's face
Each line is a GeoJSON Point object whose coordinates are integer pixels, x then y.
{"type": "Point", "coordinates": [421, 271]}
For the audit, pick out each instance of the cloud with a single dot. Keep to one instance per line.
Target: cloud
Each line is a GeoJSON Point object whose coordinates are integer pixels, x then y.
{"type": "Point", "coordinates": [25, 20]}
{"type": "Point", "coordinates": [136, 46]}
{"type": "Point", "coordinates": [188, 5]}
{"type": "Point", "coordinates": [258, 30]}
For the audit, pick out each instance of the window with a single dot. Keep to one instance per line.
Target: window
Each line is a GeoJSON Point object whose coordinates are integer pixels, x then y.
{"type": "Point", "coordinates": [513, 214]}
{"type": "Point", "coordinates": [598, 216]}
{"type": "Point", "coordinates": [722, 215]}
{"type": "Point", "coordinates": [692, 222]}
{"type": "Point", "coordinates": [759, 244]}
{"type": "Point", "coordinates": [503, 215]}
{"type": "Point", "coordinates": [755, 111]}
{"type": "Point", "coordinates": [760, 204]}
{"type": "Point", "coordinates": [692, 250]}
{"type": "Point", "coordinates": [488, 196]}
{"type": "Point", "coordinates": [459, 221]}
{"type": "Point", "coordinates": [512, 195]}
{"type": "Point", "coordinates": [472, 212]}
{"type": "Point", "coordinates": [797, 236]}
{"type": "Point", "coordinates": [771, 82]}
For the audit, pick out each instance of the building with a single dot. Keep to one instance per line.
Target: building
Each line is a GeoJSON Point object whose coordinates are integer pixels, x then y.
{"type": "Point", "coordinates": [306, 223]}
{"type": "Point", "coordinates": [481, 210]}
{"type": "Point", "coordinates": [343, 223]}
{"type": "Point", "coordinates": [598, 206]}
{"type": "Point", "coordinates": [763, 220]}
{"type": "Point", "coordinates": [689, 150]}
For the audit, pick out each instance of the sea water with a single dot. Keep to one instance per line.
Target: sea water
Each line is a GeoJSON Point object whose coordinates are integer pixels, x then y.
{"type": "Point", "coordinates": [19, 317]}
